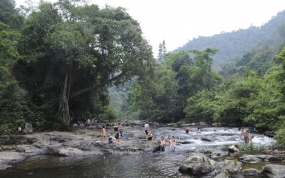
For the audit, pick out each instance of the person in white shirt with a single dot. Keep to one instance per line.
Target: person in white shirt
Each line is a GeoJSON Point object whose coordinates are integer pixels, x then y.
{"type": "Point", "coordinates": [146, 128]}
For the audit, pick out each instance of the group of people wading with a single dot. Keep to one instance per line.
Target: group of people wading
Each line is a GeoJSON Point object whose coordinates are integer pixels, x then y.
{"type": "Point", "coordinates": [113, 137]}
{"type": "Point", "coordinates": [232, 148]}
{"type": "Point", "coordinates": [161, 142]}
{"type": "Point", "coordinates": [118, 134]}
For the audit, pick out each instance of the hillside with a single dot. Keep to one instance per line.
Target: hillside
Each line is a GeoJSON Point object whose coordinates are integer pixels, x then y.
{"type": "Point", "coordinates": [236, 43]}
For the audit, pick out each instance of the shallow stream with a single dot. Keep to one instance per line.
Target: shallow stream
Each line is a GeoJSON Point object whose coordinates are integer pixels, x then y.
{"type": "Point", "coordinates": [160, 164]}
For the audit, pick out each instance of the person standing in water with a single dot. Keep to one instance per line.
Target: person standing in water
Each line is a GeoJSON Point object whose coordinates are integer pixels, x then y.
{"type": "Point", "coordinates": [161, 144]}
{"type": "Point", "coordinates": [146, 128]}
{"type": "Point", "coordinates": [198, 130]}
{"type": "Point", "coordinates": [116, 127]}
{"type": "Point", "coordinates": [173, 143]}
{"type": "Point", "coordinates": [244, 133]}
{"type": "Point", "coordinates": [187, 129]}
{"type": "Point", "coordinates": [104, 134]}
{"type": "Point", "coordinates": [150, 136]}
{"type": "Point", "coordinates": [121, 129]}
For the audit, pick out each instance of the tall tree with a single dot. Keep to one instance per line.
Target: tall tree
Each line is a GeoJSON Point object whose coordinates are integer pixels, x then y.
{"type": "Point", "coordinates": [85, 49]}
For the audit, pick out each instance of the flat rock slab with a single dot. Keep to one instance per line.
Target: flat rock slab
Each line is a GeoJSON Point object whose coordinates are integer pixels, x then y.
{"type": "Point", "coordinates": [8, 158]}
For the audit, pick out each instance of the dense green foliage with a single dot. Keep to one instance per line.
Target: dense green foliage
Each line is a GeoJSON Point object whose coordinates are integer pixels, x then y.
{"type": "Point", "coordinates": [66, 61]}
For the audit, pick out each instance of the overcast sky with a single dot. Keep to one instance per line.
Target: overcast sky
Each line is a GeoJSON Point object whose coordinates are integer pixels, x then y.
{"type": "Point", "coordinates": [179, 21]}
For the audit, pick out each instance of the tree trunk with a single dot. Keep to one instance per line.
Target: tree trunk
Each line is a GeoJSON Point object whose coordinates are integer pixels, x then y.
{"type": "Point", "coordinates": [63, 101]}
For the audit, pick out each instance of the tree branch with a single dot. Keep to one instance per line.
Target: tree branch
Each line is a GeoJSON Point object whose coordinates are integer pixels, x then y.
{"type": "Point", "coordinates": [79, 92]}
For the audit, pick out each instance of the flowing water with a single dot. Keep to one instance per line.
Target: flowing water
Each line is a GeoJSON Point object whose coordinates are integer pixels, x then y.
{"type": "Point", "coordinates": [159, 164]}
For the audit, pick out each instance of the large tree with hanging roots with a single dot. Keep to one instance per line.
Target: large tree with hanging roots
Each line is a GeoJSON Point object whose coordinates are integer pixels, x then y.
{"type": "Point", "coordinates": [70, 48]}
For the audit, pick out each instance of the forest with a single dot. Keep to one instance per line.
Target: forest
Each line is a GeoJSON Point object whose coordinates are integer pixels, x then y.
{"type": "Point", "coordinates": [67, 61]}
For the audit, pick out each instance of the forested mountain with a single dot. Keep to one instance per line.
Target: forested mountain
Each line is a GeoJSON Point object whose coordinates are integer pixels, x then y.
{"type": "Point", "coordinates": [236, 43]}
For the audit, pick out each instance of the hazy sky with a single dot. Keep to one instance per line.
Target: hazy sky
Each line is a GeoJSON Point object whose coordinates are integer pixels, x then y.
{"type": "Point", "coordinates": [179, 21]}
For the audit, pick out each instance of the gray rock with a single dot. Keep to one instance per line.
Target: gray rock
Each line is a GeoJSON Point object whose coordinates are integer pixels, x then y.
{"type": "Point", "coordinates": [274, 171]}
{"type": "Point", "coordinates": [251, 172]}
{"type": "Point", "coordinates": [232, 166]}
{"type": "Point", "coordinates": [19, 148]}
{"type": "Point", "coordinates": [197, 164]}
{"type": "Point", "coordinates": [222, 175]}
{"type": "Point", "coordinates": [218, 153]}
{"type": "Point", "coordinates": [28, 128]}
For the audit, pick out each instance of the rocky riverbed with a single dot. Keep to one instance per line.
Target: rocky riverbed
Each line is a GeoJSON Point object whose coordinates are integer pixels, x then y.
{"type": "Point", "coordinates": [87, 142]}
{"type": "Point", "coordinates": [80, 142]}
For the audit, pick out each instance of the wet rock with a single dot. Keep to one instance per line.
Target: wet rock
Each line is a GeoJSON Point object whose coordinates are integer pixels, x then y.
{"type": "Point", "coordinates": [251, 172]}
{"type": "Point", "coordinates": [274, 171]}
{"type": "Point", "coordinates": [172, 124]}
{"type": "Point", "coordinates": [184, 142]}
{"type": "Point", "coordinates": [197, 164]}
{"type": "Point", "coordinates": [206, 139]}
{"type": "Point", "coordinates": [275, 152]}
{"type": "Point", "coordinates": [216, 124]}
{"type": "Point", "coordinates": [5, 140]}
{"type": "Point", "coordinates": [247, 158]}
{"type": "Point", "coordinates": [8, 158]}
{"type": "Point", "coordinates": [156, 124]}
{"type": "Point", "coordinates": [218, 153]}
{"type": "Point", "coordinates": [273, 158]}
{"type": "Point", "coordinates": [257, 158]}
{"type": "Point", "coordinates": [270, 133]}
{"type": "Point", "coordinates": [28, 128]}
{"type": "Point", "coordinates": [233, 166]}
{"type": "Point", "coordinates": [222, 175]}
{"type": "Point", "coordinates": [203, 124]}
{"type": "Point", "coordinates": [19, 148]}
{"type": "Point", "coordinates": [18, 139]}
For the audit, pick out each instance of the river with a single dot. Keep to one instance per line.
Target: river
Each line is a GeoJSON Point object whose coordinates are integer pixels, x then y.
{"type": "Point", "coordinates": [159, 164]}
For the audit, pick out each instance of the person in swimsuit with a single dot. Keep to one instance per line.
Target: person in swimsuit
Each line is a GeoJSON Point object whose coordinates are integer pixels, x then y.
{"type": "Point", "coordinates": [169, 140]}
{"type": "Point", "coordinates": [104, 134]}
{"type": "Point", "coordinates": [161, 144]}
{"type": "Point", "coordinates": [150, 136]}
{"type": "Point", "coordinates": [198, 130]}
{"type": "Point", "coordinates": [173, 143]}
{"type": "Point", "coordinates": [187, 129]}
{"type": "Point", "coordinates": [244, 133]}
{"type": "Point", "coordinates": [233, 148]}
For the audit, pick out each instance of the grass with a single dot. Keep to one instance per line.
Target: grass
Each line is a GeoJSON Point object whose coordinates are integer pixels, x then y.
{"type": "Point", "coordinates": [254, 148]}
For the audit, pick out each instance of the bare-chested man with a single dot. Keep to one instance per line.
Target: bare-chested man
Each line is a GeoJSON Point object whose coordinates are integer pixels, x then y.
{"type": "Point", "coordinates": [244, 133]}
{"type": "Point", "coordinates": [161, 144]}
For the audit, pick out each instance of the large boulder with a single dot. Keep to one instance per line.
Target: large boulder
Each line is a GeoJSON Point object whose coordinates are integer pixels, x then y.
{"type": "Point", "coordinates": [197, 164]}
{"type": "Point", "coordinates": [233, 166]}
{"type": "Point", "coordinates": [274, 171]}
{"type": "Point", "coordinates": [28, 128]}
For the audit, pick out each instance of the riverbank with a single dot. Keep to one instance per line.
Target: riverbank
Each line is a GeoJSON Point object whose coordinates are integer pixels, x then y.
{"type": "Point", "coordinates": [80, 142]}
